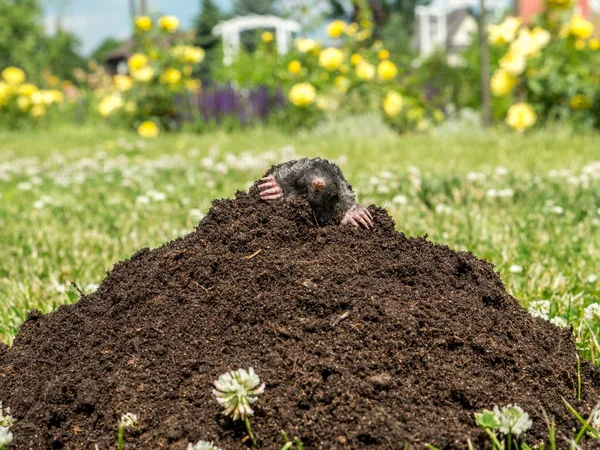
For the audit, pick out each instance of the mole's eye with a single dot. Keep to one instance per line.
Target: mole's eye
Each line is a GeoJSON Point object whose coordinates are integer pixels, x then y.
{"type": "Point", "coordinates": [318, 184]}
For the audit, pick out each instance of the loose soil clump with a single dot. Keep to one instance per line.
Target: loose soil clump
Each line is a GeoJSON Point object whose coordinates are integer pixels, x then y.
{"type": "Point", "coordinates": [364, 338]}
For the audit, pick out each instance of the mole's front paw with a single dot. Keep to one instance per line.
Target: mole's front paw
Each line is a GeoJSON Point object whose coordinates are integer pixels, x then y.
{"type": "Point", "coordinates": [270, 190]}
{"type": "Point", "coordinates": [358, 214]}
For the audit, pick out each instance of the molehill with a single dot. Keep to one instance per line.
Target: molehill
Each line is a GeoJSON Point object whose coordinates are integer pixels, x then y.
{"type": "Point", "coordinates": [364, 338]}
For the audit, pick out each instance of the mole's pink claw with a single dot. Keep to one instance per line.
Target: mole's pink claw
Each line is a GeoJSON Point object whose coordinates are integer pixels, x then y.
{"type": "Point", "coordinates": [270, 190]}
{"type": "Point", "coordinates": [358, 214]}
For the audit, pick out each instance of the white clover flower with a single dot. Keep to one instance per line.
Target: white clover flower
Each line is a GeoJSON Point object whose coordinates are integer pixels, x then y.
{"type": "Point", "coordinates": [491, 193]}
{"type": "Point", "coordinates": [512, 419]}
{"type": "Point", "coordinates": [6, 436]}
{"type": "Point", "coordinates": [157, 196]}
{"type": "Point", "coordinates": [515, 268]}
{"type": "Point", "coordinates": [592, 312]}
{"type": "Point", "coordinates": [592, 278]}
{"type": "Point", "coordinates": [374, 181]}
{"type": "Point", "coordinates": [539, 306]}
{"type": "Point", "coordinates": [202, 445]}
{"type": "Point", "coordinates": [400, 199]}
{"type": "Point", "coordinates": [500, 172]}
{"type": "Point", "coordinates": [559, 322]}
{"type": "Point", "coordinates": [142, 200]}
{"type": "Point", "coordinates": [506, 193]}
{"type": "Point", "coordinates": [556, 209]}
{"type": "Point", "coordinates": [443, 209]}
{"type": "Point", "coordinates": [237, 390]}
{"type": "Point", "coordinates": [383, 189]}
{"type": "Point", "coordinates": [6, 419]}
{"type": "Point", "coordinates": [541, 315]}
{"type": "Point", "coordinates": [196, 214]}
{"type": "Point", "coordinates": [475, 176]}
{"type": "Point", "coordinates": [129, 420]}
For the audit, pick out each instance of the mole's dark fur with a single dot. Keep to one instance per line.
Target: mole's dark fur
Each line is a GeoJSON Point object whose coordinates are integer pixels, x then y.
{"type": "Point", "coordinates": [296, 177]}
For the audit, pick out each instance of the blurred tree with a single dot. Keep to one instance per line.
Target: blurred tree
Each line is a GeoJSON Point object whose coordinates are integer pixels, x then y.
{"type": "Point", "coordinates": [106, 47]}
{"type": "Point", "coordinates": [62, 54]}
{"type": "Point", "coordinates": [246, 7]}
{"type": "Point", "coordinates": [209, 16]}
{"type": "Point", "coordinates": [21, 35]}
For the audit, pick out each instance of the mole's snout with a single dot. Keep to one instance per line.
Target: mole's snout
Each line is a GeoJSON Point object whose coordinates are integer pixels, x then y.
{"type": "Point", "coordinates": [318, 184]}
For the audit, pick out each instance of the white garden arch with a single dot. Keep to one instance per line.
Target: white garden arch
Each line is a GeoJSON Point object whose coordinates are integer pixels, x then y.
{"type": "Point", "coordinates": [229, 31]}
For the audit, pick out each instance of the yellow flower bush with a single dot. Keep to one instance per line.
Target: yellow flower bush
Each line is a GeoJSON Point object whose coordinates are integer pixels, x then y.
{"type": "Point", "coordinates": [365, 71]}
{"type": "Point", "coordinates": [267, 36]}
{"type": "Point", "coordinates": [148, 129]}
{"type": "Point", "coordinates": [393, 104]}
{"type": "Point", "coordinates": [514, 63]}
{"type": "Point", "coordinates": [302, 94]}
{"type": "Point", "coordinates": [387, 70]}
{"type": "Point", "coordinates": [137, 61]}
{"type": "Point", "coordinates": [336, 28]}
{"type": "Point", "coordinates": [580, 28]}
{"type": "Point", "coordinates": [13, 76]}
{"type": "Point", "coordinates": [305, 45]}
{"type": "Point", "coordinates": [143, 23]}
{"type": "Point", "coordinates": [505, 32]}
{"type": "Point", "coordinates": [170, 76]}
{"type": "Point", "coordinates": [188, 54]}
{"type": "Point", "coordinates": [169, 23]}
{"type": "Point", "coordinates": [503, 83]}
{"type": "Point", "coordinates": [521, 116]}
{"type": "Point", "coordinates": [383, 54]}
{"type": "Point", "coordinates": [295, 67]}
{"type": "Point", "coordinates": [331, 58]}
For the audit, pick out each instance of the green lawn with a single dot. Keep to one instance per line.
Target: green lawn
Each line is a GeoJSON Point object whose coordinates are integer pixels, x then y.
{"type": "Point", "coordinates": [75, 201]}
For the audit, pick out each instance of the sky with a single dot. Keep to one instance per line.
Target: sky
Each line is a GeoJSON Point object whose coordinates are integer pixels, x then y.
{"type": "Point", "coordinates": [94, 21]}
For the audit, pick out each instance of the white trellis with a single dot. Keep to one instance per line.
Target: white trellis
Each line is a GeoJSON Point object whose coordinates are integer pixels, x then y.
{"type": "Point", "coordinates": [230, 30]}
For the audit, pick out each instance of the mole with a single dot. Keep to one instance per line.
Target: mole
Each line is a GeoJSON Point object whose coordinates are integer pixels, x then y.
{"type": "Point", "coordinates": [324, 186]}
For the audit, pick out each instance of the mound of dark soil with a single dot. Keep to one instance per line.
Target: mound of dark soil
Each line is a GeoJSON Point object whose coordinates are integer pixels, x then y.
{"type": "Point", "coordinates": [365, 339]}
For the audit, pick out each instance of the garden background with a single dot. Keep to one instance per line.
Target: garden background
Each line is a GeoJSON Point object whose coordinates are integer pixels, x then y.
{"type": "Point", "coordinates": [106, 153]}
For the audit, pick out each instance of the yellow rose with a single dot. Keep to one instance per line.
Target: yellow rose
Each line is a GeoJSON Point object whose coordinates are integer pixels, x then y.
{"type": "Point", "coordinates": [331, 58]}
{"type": "Point", "coordinates": [305, 45]}
{"type": "Point", "coordinates": [143, 75]}
{"type": "Point", "coordinates": [351, 29]}
{"type": "Point", "coordinates": [530, 43]}
{"type": "Point", "coordinates": [502, 83]}
{"type": "Point", "coordinates": [111, 104]}
{"type": "Point", "coordinates": [193, 85]}
{"type": "Point", "coordinates": [580, 102]}
{"type": "Point", "coordinates": [383, 54]}
{"type": "Point", "coordinates": [295, 67]}
{"type": "Point", "coordinates": [365, 71]}
{"type": "Point", "coordinates": [137, 61]}
{"type": "Point", "coordinates": [43, 97]}
{"type": "Point", "coordinates": [148, 129]}
{"type": "Point", "coordinates": [387, 70]}
{"type": "Point", "coordinates": [143, 23]}
{"type": "Point", "coordinates": [23, 102]}
{"type": "Point", "coordinates": [38, 111]}
{"type": "Point", "coordinates": [13, 76]}
{"type": "Point", "coordinates": [168, 23]}
{"type": "Point", "coordinates": [302, 94]}
{"type": "Point", "coordinates": [504, 32]}
{"type": "Point", "coordinates": [267, 37]}
{"type": "Point", "coordinates": [57, 96]}
{"type": "Point", "coordinates": [27, 89]}
{"type": "Point", "coordinates": [170, 76]}
{"type": "Point", "coordinates": [4, 92]}
{"type": "Point", "coordinates": [580, 27]}
{"type": "Point", "coordinates": [188, 54]}
{"type": "Point", "coordinates": [514, 63]}
{"type": "Point", "coordinates": [342, 83]}
{"type": "Point", "coordinates": [520, 116]}
{"type": "Point", "coordinates": [540, 36]}
{"type": "Point", "coordinates": [356, 59]}
{"type": "Point", "coordinates": [378, 44]}
{"type": "Point", "coordinates": [122, 82]}
{"type": "Point", "coordinates": [393, 104]}
{"type": "Point", "coordinates": [336, 28]}
{"type": "Point", "coordinates": [594, 44]}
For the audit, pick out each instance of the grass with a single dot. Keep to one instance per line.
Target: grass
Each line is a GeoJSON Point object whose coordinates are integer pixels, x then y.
{"type": "Point", "coordinates": [75, 201]}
